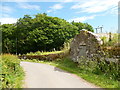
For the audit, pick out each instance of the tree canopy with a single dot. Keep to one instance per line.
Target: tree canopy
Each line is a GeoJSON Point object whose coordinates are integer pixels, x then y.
{"type": "Point", "coordinates": [41, 32]}
{"type": "Point", "coordinates": [83, 26]}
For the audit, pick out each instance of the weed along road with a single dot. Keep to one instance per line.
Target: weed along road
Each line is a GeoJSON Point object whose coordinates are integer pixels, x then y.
{"type": "Point", "coordinates": [40, 75]}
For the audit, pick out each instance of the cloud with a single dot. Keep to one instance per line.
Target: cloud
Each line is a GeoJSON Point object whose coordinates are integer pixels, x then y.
{"type": "Point", "coordinates": [82, 19]}
{"type": "Point", "coordinates": [16, 0]}
{"type": "Point", "coordinates": [55, 7]}
{"type": "Point", "coordinates": [68, 0]}
{"type": "Point", "coordinates": [4, 15]}
{"type": "Point", "coordinates": [41, 0]}
{"type": "Point", "coordinates": [6, 9]}
{"type": "Point", "coordinates": [95, 6]}
{"type": "Point", "coordinates": [114, 10]}
{"type": "Point", "coordinates": [29, 6]}
{"type": "Point", "coordinates": [48, 11]}
{"type": "Point", "coordinates": [8, 20]}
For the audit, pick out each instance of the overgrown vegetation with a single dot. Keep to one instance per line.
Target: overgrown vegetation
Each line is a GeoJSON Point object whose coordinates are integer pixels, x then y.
{"type": "Point", "coordinates": [112, 40]}
{"type": "Point", "coordinates": [111, 45]}
{"type": "Point", "coordinates": [12, 74]}
{"type": "Point", "coordinates": [99, 71]}
{"type": "Point", "coordinates": [44, 53]}
{"type": "Point", "coordinates": [38, 33]}
{"type": "Point", "coordinates": [101, 74]}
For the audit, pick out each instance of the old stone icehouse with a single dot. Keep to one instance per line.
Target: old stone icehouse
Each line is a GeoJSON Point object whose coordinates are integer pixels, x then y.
{"type": "Point", "coordinates": [86, 44]}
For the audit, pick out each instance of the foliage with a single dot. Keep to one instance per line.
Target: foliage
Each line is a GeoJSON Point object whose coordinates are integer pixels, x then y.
{"type": "Point", "coordinates": [83, 26]}
{"type": "Point", "coordinates": [38, 33]}
{"type": "Point", "coordinates": [102, 66]}
{"type": "Point", "coordinates": [113, 42]}
{"type": "Point", "coordinates": [11, 74]}
{"type": "Point", "coordinates": [8, 38]}
{"type": "Point", "coordinates": [104, 39]}
{"type": "Point", "coordinates": [111, 46]}
{"type": "Point", "coordinates": [44, 53]}
{"type": "Point", "coordinates": [64, 49]}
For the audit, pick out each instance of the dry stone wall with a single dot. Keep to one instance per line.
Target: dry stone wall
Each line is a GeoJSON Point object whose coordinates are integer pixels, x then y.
{"type": "Point", "coordinates": [86, 44]}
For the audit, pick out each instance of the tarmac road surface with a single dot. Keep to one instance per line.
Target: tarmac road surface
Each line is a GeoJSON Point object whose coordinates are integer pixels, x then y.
{"type": "Point", "coordinates": [40, 75]}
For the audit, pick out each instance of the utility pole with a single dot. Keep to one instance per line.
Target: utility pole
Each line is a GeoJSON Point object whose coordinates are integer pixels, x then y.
{"type": "Point", "coordinates": [101, 28]}
{"type": "Point", "coordinates": [16, 46]}
{"type": "Point", "coordinates": [110, 36]}
{"type": "Point", "coordinates": [96, 29]}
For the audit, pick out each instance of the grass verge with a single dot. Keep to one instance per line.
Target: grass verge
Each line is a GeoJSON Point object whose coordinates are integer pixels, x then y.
{"type": "Point", "coordinates": [68, 65]}
{"type": "Point", "coordinates": [12, 73]}
{"type": "Point", "coordinates": [44, 53]}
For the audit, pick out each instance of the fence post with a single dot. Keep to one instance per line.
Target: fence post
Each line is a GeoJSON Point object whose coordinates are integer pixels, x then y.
{"type": "Point", "coordinates": [110, 36]}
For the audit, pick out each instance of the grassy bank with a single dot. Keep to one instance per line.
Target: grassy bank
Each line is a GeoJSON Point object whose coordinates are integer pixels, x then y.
{"type": "Point", "coordinates": [44, 53]}
{"type": "Point", "coordinates": [12, 74]}
{"type": "Point", "coordinates": [92, 75]}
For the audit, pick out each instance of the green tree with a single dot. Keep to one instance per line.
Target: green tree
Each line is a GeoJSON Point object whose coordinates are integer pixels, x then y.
{"type": "Point", "coordinates": [83, 26]}
{"type": "Point", "coordinates": [41, 32]}
{"type": "Point", "coordinates": [8, 40]}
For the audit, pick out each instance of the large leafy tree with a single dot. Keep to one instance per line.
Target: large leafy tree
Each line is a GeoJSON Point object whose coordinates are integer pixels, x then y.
{"type": "Point", "coordinates": [40, 32]}
{"type": "Point", "coordinates": [8, 38]}
{"type": "Point", "coordinates": [83, 26]}
{"type": "Point", "coordinates": [50, 32]}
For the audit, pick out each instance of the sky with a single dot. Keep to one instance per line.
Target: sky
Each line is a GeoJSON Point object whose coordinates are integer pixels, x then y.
{"type": "Point", "coordinates": [95, 12]}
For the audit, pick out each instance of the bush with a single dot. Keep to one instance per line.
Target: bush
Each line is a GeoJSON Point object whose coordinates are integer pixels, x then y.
{"type": "Point", "coordinates": [101, 66]}
{"type": "Point", "coordinates": [12, 73]}
{"type": "Point", "coordinates": [111, 42]}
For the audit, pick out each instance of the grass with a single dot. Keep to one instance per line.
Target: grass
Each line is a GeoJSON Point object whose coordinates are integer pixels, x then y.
{"type": "Point", "coordinates": [86, 73]}
{"type": "Point", "coordinates": [44, 53]}
{"type": "Point", "coordinates": [64, 49]}
{"type": "Point", "coordinates": [113, 42]}
{"type": "Point", "coordinates": [12, 73]}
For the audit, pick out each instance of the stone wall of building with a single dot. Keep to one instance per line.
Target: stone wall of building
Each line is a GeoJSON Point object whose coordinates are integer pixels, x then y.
{"type": "Point", "coordinates": [86, 44]}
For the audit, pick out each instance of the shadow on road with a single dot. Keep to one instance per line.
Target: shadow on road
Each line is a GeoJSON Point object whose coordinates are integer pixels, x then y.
{"type": "Point", "coordinates": [60, 70]}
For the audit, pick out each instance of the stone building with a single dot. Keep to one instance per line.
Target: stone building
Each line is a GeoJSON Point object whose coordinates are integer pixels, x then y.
{"type": "Point", "coordinates": [86, 44]}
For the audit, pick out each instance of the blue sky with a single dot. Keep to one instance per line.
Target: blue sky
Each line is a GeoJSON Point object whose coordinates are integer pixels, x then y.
{"type": "Point", "coordinates": [94, 12]}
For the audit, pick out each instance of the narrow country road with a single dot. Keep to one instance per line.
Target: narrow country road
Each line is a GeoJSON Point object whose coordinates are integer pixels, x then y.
{"type": "Point", "coordinates": [46, 76]}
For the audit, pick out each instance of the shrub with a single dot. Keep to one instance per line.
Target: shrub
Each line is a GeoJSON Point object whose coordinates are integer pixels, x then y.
{"type": "Point", "coordinates": [101, 66]}
{"type": "Point", "coordinates": [12, 73]}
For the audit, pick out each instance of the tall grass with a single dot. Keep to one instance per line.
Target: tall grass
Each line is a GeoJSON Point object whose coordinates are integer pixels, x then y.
{"type": "Point", "coordinates": [12, 74]}
{"type": "Point", "coordinates": [113, 42]}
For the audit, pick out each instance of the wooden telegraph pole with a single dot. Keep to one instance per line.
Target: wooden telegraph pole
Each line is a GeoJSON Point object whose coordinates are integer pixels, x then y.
{"type": "Point", "coordinates": [110, 36]}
